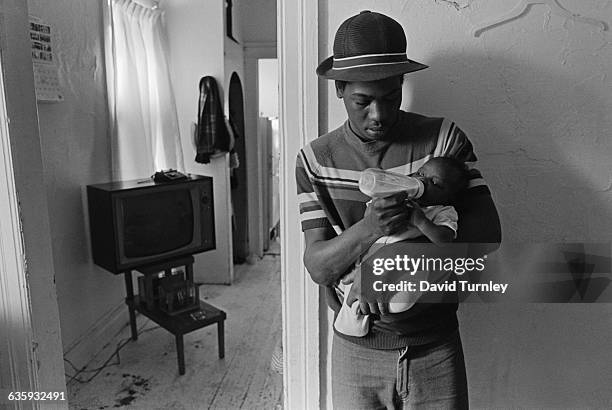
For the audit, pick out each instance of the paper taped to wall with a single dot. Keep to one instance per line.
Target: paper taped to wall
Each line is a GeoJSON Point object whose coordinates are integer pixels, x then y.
{"type": "Point", "coordinates": [46, 78]}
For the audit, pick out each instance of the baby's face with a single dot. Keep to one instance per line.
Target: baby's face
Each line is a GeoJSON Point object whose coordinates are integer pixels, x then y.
{"type": "Point", "coordinates": [439, 184]}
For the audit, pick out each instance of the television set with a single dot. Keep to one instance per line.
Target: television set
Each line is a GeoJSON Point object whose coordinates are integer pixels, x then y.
{"type": "Point", "coordinates": [137, 223]}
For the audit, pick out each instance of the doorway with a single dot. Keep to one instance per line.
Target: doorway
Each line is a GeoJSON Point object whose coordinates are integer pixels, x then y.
{"type": "Point", "coordinates": [238, 174]}
{"type": "Point", "coordinates": [268, 135]}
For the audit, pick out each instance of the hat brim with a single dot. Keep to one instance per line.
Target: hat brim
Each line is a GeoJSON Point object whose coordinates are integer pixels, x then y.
{"type": "Point", "coordinates": [367, 73]}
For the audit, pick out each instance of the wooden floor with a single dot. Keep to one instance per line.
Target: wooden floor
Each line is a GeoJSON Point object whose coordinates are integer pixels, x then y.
{"type": "Point", "coordinates": [146, 376]}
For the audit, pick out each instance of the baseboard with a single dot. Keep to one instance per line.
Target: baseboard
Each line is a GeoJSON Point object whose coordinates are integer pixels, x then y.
{"type": "Point", "coordinates": [96, 338]}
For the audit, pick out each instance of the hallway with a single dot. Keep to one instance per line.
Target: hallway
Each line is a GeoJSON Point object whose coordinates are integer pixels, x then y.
{"type": "Point", "coordinates": [146, 374]}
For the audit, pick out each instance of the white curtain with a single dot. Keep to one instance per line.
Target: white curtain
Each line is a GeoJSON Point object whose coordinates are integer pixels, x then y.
{"type": "Point", "coordinates": [144, 124]}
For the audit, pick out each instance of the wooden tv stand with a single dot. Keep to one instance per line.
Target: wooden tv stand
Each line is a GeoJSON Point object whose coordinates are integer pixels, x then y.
{"type": "Point", "coordinates": [177, 324]}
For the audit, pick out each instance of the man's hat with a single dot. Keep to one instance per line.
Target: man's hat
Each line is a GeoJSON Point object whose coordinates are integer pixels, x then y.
{"type": "Point", "coordinates": [369, 46]}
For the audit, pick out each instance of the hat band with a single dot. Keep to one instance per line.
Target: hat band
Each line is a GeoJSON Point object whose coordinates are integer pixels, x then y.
{"type": "Point", "coordinates": [369, 60]}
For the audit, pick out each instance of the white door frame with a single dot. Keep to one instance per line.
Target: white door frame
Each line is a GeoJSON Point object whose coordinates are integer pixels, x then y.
{"type": "Point", "coordinates": [15, 315]}
{"type": "Point", "coordinates": [30, 338]}
{"type": "Point", "coordinates": [298, 109]}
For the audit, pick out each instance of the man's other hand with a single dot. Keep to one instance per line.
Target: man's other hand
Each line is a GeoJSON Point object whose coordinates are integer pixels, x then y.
{"type": "Point", "coordinates": [386, 216]}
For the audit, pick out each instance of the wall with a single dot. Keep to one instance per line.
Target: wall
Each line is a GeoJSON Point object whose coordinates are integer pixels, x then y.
{"type": "Point", "coordinates": [258, 21]}
{"type": "Point", "coordinates": [76, 152]}
{"type": "Point", "coordinates": [218, 56]}
{"type": "Point", "coordinates": [196, 42]}
{"type": "Point", "coordinates": [268, 81]}
{"type": "Point", "coordinates": [534, 96]}
{"type": "Point", "coordinates": [233, 51]}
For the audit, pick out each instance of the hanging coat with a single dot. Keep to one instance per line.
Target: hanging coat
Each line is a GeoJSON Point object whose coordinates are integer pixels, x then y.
{"type": "Point", "coordinates": [211, 134]}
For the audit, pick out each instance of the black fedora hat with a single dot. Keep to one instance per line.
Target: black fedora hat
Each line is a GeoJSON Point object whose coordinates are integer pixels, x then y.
{"type": "Point", "coordinates": [368, 46]}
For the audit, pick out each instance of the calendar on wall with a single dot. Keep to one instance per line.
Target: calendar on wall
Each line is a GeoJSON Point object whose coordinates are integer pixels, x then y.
{"type": "Point", "coordinates": [46, 77]}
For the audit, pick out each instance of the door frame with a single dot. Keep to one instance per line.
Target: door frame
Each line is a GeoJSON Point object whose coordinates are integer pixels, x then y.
{"type": "Point", "coordinates": [15, 312]}
{"type": "Point", "coordinates": [29, 316]}
{"type": "Point", "coordinates": [299, 124]}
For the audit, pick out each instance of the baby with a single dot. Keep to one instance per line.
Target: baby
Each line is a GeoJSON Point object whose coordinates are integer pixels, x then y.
{"type": "Point", "coordinates": [432, 217]}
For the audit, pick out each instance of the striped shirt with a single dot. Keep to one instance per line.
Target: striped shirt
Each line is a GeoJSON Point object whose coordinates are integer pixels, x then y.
{"type": "Point", "coordinates": [327, 174]}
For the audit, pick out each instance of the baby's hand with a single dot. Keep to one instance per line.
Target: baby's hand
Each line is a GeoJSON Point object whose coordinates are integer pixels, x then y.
{"type": "Point", "coordinates": [417, 216]}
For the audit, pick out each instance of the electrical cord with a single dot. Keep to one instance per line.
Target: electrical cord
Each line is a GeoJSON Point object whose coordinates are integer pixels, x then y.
{"type": "Point", "coordinates": [106, 364]}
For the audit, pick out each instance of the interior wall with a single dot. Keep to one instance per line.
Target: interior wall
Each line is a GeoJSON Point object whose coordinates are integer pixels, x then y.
{"type": "Point", "coordinates": [76, 152]}
{"type": "Point", "coordinates": [196, 36]}
{"type": "Point", "coordinates": [233, 51]}
{"type": "Point", "coordinates": [268, 83]}
{"type": "Point", "coordinates": [534, 97]}
{"type": "Point", "coordinates": [258, 21]}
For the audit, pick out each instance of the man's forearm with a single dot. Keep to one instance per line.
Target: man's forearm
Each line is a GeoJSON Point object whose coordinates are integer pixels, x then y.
{"type": "Point", "coordinates": [328, 260]}
{"type": "Point", "coordinates": [479, 223]}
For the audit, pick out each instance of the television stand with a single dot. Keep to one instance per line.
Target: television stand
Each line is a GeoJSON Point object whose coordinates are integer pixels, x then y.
{"type": "Point", "coordinates": [178, 324]}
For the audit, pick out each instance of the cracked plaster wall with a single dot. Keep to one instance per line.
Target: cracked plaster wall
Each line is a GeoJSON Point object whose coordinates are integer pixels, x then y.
{"type": "Point", "coordinates": [535, 97]}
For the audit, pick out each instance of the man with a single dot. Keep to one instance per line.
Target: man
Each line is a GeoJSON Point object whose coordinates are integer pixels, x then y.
{"type": "Point", "coordinates": [409, 359]}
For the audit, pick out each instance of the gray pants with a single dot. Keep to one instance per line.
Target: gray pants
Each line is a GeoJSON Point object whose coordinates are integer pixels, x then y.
{"type": "Point", "coordinates": [430, 376]}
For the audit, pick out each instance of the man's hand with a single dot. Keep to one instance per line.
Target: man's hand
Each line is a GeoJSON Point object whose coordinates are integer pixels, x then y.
{"type": "Point", "coordinates": [380, 307]}
{"type": "Point", "coordinates": [386, 216]}
{"type": "Point", "coordinates": [383, 216]}
{"type": "Point", "coordinates": [349, 277]}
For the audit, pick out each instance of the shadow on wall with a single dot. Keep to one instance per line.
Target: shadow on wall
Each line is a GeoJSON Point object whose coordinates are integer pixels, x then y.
{"type": "Point", "coordinates": [542, 141]}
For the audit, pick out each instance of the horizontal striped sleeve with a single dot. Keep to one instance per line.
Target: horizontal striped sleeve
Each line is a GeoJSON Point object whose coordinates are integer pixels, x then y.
{"type": "Point", "coordinates": [452, 142]}
{"type": "Point", "coordinates": [311, 214]}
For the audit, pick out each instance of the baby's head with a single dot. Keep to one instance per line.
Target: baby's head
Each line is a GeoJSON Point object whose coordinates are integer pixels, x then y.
{"type": "Point", "coordinates": [444, 178]}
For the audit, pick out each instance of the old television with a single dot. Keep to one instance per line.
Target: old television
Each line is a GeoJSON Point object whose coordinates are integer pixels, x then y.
{"type": "Point", "coordinates": [136, 223]}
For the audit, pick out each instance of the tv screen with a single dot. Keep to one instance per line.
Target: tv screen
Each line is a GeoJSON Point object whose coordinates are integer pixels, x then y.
{"type": "Point", "coordinates": [156, 223]}
{"type": "Point", "coordinates": [137, 223]}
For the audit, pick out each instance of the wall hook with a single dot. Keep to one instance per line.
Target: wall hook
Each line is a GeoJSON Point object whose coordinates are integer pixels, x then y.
{"type": "Point", "coordinates": [523, 7]}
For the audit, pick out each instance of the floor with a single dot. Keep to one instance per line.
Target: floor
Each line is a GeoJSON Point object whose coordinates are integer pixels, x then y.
{"type": "Point", "coordinates": [144, 374]}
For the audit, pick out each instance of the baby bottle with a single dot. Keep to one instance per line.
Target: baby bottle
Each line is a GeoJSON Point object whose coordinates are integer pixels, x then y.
{"type": "Point", "coordinates": [378, 183]}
